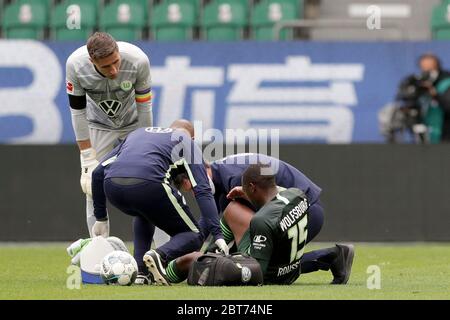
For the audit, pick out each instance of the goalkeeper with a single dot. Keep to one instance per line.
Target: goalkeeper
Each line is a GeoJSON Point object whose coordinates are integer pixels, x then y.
{"type": "Point", "coordinates": [109, 89]}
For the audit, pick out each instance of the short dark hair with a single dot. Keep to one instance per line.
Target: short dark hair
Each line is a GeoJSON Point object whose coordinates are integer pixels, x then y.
{"type": "Point", "coordinates": [101, 45]}
{"type": "Point", "coordinates": [430, 55]}
{"type": "Point", "coordinates": [178, 179]}
{"type": "Point", "coordinates": [259, 174]}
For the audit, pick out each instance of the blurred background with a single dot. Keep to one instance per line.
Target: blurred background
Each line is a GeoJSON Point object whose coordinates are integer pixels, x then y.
{"type": "Point", "coordinates": [345, 82]}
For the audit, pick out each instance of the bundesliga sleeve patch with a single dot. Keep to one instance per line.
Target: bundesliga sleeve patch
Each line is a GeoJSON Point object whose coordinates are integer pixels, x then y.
{"type": "Point", "coordinates": [69, 87]}
{"type": "Point", "coordinates": [143, 95]}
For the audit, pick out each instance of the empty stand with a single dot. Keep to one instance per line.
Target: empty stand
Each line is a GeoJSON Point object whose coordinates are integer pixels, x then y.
{"type": "Point", "coordinates": [440, 21]}
{"type": "Point", "coordinates": [268, 12]}
{"type": "Point", "coordinates": [123, 20]}
{"type": "Point", "coordinates": [224, 20]}
{"type": "Point", "coordinates": [173, 21]}
{"type": "Point", "coordinates": [412, 17]}
{"type": "Point", "coordinates": [73, 20]}
{"type": "Point", "coordinates": [25, 20]}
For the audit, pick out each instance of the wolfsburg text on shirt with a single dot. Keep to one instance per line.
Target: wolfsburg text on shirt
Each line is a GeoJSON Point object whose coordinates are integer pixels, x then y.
{"type": "Point", "coordinates": [293, 215]}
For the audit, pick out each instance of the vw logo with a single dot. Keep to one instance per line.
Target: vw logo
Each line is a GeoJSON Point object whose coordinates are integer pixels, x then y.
{"type": "Point", "coordinates": [110, 107]}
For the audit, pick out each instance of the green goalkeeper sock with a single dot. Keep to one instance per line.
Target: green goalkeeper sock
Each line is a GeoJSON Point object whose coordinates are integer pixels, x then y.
{"type": "Point", "coordinates": [173, 274]}
{"type": "Point", "coordinates": [226, 231]}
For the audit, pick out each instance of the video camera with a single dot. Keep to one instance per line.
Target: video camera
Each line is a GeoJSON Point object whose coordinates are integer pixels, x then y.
{"type": "Point", "coordinates": [413, 87]}
{"type": "Point", "coordinates": [410, 90]}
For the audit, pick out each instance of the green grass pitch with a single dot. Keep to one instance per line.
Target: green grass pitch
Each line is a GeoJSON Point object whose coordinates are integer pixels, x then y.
{"type": "Point", "coordinates": [407, 271]}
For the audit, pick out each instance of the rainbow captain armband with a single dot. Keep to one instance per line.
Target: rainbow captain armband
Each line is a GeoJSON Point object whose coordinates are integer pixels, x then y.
{"type": "Point", "coordinates": [143, 95]}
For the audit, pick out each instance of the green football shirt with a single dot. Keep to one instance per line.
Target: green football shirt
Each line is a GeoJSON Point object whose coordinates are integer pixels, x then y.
{"type": "Point", "coordinates": [277, 236]}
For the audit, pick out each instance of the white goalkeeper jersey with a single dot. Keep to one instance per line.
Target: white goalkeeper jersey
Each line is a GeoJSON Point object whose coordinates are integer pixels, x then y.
{"type": "Point", "coordinates": [111, 103]}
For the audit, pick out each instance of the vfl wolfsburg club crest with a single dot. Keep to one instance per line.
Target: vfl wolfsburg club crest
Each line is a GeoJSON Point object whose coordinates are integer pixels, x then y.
{"type": "Point", "coordinates": [110, 107]}
{"type": "Point", "coordinates": [246, 274]}
{"type": "Point", "coordinates": [126, 85]}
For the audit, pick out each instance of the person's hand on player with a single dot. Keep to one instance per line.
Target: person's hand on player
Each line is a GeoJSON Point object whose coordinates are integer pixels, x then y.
{"type": "Point", "coordinates": [236, 192]}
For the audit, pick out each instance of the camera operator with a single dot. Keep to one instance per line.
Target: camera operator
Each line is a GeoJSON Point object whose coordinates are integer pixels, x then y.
{"type": "Point", "coordinates": [434, 98]}
{"type": "Point", "coordinates": [422, 105]}
{"type": "Point", "coordinates": [404, 114]}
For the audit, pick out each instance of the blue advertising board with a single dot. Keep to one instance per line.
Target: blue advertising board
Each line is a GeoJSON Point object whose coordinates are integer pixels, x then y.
{"type": "Point", "coordinates": [326, 92]}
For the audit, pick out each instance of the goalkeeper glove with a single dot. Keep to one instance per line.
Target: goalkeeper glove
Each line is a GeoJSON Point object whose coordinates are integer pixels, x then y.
{"type": "Point", "coordinates": [222, 246]}
{"type": "Point", "coordinates": [88, 164]}
{"type": "Point", "coordinates": [101, 228]}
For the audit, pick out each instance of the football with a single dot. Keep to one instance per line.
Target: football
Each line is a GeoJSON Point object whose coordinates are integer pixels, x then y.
{"type": "Point", "coordinates": [119, 268]}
